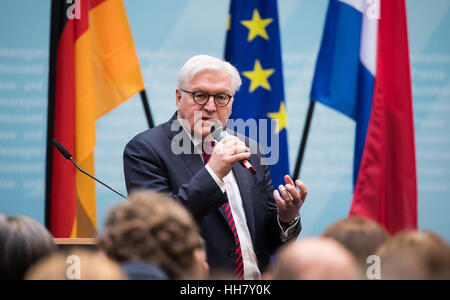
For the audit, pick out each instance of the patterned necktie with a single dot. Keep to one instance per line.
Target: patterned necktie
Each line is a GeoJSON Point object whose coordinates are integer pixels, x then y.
{"type": "Point", "coordinates": [238, 262]}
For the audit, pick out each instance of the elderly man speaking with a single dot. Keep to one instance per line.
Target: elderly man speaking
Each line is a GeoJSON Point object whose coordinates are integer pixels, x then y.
{"type": "Point", "coordinates": [242, 218]}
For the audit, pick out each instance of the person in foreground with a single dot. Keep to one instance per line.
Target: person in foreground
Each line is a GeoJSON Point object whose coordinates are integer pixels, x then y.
{"type": "Point", "coordinates": [23, 242]}
{"type": "Point", "coordinates": [315, 259]}
{"type": "Point", "coordinates": [415, 255]}
{"type": "Point", "coordinates": [153, 237]}
{"type": "Point", "coordinates": [93, 265]}
{"type": "Point", "coordinates": [242, 219]}
{"type": "Point", "coordinates": [361, 236]}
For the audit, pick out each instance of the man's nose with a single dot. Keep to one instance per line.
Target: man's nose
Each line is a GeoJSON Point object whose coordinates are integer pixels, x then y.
{"type": "Point", "coordinates": [211, 105]}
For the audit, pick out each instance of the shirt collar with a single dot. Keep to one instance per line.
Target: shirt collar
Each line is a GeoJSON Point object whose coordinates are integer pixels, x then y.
{"type": "Point", "coordinates": [195, 140]}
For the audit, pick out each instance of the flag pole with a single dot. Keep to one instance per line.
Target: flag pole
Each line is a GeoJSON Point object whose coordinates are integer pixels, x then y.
{"type": "Point", "coordinates": [148, 114]}
{"type": "Point", "coordinates": [55, 32]}
{"type": "Point", "coordinates": [301, 152]}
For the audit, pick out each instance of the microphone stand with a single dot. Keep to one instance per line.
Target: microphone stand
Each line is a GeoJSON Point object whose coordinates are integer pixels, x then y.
{"type": "Point", "coordinates": [67, 155]}
{"type": "Point", "coordinates": [84, 172]}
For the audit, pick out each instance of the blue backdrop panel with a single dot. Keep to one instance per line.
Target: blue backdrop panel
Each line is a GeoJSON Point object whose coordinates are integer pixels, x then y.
{"type": "Point", "coordinates": [166, 34]}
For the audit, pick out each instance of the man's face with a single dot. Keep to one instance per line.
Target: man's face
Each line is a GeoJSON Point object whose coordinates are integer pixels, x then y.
{"type": "Point", "coordinates": [212, 82]}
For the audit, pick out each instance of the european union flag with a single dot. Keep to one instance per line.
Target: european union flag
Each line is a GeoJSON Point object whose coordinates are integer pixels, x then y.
{"type": "Point", "coordinates": [253, 47]}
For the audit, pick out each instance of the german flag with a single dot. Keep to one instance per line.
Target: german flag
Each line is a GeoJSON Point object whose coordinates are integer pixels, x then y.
{"type": "Point", "coordinates": [93, 69]}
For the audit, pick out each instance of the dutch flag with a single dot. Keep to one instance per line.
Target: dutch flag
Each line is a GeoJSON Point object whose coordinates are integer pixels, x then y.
{"type": "Point", "coordinates": [363, 72]}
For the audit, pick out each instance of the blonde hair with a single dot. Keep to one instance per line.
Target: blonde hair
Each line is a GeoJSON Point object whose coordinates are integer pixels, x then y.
{"type": "Point", "coordinates": [415, 255]}
{"type": "Point", "coordinates": [361, 236]}
{"type": "Point", "coordinates": [93, 266]}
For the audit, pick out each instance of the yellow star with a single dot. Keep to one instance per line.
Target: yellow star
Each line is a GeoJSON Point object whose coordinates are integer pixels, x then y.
{"type": "Point", "coordinates": [229, 23]}
{"type": "Point", "coordinates": [257, 26]}
{"type": "Point", "coordinates": [259, 77]}
{"type": "Point", "coordinates": [280, 117]}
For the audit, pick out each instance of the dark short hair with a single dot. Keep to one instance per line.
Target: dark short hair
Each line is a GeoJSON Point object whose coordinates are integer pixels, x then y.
{"type": "Point", "coordinates": [23, 241]}
{"type": "Point", "coordinates": [152, 227]}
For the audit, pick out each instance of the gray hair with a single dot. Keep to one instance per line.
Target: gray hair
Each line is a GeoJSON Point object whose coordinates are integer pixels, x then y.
{"type": "Point", "coordinates": [200, 63]}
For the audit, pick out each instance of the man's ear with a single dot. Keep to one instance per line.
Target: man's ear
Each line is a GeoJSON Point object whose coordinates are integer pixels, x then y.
{"type": "Point", "coordinates": [178, 97]}
{"type": "Point", "coordinates": [231, 107]}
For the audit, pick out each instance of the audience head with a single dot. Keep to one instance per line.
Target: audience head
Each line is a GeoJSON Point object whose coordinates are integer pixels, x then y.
{"type": "Point", "coordinates": [315, 259]}
{"type": "Point", "coordinates": [23, 241]}
{"type": "Point", "coordinates": [76, 265]}
{"type": "Point", "coordinates": [361, 236]}
{"type": "Point", "coordinates": [415, 255]}
{"type": "Point", "coordinates": [153, 228]}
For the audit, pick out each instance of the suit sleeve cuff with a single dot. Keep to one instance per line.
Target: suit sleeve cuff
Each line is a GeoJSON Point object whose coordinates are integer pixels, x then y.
{"type": "Point", "coordinates": [218, 181]}
{"type": "Point", "coordinates": [287, 234]}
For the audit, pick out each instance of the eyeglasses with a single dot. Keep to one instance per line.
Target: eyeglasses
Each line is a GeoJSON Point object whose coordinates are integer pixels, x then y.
{"type": "Point", "coordinates": [201, 98]}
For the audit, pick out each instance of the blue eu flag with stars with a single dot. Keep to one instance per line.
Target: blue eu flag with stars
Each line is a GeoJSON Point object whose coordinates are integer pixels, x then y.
{"type": "Point", "coordinates": [253, 47]}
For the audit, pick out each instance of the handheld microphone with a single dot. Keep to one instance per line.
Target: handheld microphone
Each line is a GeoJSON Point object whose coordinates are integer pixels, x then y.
{"type": "Point", "coordinates": [219, 134]}
{"type": "Point", "coordinates": [68, 156]}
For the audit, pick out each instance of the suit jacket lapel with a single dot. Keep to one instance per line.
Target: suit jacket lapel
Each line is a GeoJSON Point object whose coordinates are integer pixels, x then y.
{"type": "Point", "coordinates": [189, 157]}
{"type": "Point", "coordinates": [195, 164]}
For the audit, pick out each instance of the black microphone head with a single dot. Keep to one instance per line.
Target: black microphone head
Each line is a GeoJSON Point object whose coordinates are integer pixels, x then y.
{"type": "Point", "coordinates": [61, 149]}
{"type": "Point", "coordinates": [218, 132]}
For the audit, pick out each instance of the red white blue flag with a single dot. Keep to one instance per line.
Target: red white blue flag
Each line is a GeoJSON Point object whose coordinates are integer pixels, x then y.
{"type": "Point", "coordinates": [363, 71]}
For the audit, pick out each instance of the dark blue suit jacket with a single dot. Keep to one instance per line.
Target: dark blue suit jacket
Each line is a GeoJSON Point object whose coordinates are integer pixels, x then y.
{"type": "Point", "coordinates": [149, 163]}
{"type": "Point", "coordinates": [142, 271]}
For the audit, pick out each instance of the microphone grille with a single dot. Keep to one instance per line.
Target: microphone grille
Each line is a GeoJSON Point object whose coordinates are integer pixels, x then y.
{"type": "Point", "coordinates": [218, 132]}
{"type": "Point", "coordinates": [62, 150]}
